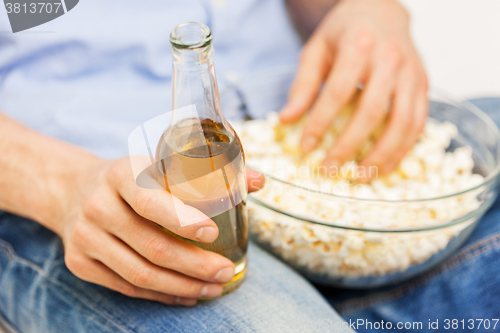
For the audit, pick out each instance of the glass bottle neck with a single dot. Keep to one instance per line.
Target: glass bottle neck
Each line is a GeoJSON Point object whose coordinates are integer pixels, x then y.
{"type": "Point", "coordinates": [195, 83]}
{"type": "Point", "coordinates": [194, 80]}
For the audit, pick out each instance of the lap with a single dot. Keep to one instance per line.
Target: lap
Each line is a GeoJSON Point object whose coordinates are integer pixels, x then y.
{"type": "Point", "coordinates": [39, 294]}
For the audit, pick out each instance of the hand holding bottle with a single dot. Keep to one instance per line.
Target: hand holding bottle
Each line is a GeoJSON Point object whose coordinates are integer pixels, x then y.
{"type": "Point", "coordinates": [368, 42]}
{"type": "Point", "coordinates": [110, 226]}
{"type": "Point", "coordinates": [110, 238]}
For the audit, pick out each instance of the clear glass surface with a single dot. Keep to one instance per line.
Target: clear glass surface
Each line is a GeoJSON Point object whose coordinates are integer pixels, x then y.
{"type": "Point", "coordinates": [199, 159]}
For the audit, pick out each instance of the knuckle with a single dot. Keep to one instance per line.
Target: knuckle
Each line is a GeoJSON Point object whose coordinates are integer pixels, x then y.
{"type": "Point", "coordinates": [140, 275]}
{"type": "Point", "coordinates": [81, 234]}
{"type": "Point", "coordinates": [94, 208]}
{"type": "Point", "coordinates": [144, 203]}
{"type": "Point", "coordinates": [364, 40]}
{"type": "Point", "coordinates": [158, 249]}
{"type": "Point", "coordinates": [74, 263]}
{"type": "Point", "coordinates": [119, 171]}
{"type": "Point", "coordinates": [205, 269]}
{"type": "Point", "coordinates": [393, 54]}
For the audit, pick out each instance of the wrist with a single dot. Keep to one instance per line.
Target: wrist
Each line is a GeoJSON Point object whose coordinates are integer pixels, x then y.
{"type": "Point", "coordinates": [67, 176]}
{"type": "Point", "coordinates": [37, 172]}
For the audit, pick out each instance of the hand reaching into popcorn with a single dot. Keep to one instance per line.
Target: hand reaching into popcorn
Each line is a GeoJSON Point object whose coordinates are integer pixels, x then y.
{"type": "Point", "coordinates": [361, 42]}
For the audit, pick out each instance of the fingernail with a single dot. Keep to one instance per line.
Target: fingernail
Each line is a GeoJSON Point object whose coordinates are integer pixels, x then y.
{"type": "Point", "coordinates": [185, 301]}
{"type": "Point", "coordinates": [309, 143]}
{"type": "Point", "coordinates": [211, 290]}
{"type": "Point", "coordinates": [206, 234]}
{"type": "Point", "coordinates": [224, 275]}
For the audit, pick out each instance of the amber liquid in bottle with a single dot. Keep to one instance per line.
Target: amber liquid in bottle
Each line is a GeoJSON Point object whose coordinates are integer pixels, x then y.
{"type": "Point", "coordinates": [202, 164]}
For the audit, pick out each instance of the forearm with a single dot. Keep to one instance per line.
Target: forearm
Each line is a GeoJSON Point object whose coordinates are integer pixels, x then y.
{"type": "Point", "coordinates": [32, 169]}
{"type": "Point", "coordinates": [307, 14]}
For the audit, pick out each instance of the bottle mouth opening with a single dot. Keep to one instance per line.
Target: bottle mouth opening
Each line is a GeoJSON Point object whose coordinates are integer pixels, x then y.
{"type": "Point", "coordinates": [191, 35]}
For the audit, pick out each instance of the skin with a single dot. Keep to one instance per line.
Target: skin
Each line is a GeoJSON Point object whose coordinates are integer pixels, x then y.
{"type": "Point", "coordinates": [367, 42]}
{"type": "Point", "coordinates": [106, 221]}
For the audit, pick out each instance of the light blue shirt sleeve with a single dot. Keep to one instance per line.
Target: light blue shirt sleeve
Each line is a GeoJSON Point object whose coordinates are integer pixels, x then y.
{"type": "Point", "coordinates": [92, 75]}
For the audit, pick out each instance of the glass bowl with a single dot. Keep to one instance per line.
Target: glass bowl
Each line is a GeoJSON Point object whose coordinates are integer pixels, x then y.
{"type": "Point", "coordinates": [328, 252]}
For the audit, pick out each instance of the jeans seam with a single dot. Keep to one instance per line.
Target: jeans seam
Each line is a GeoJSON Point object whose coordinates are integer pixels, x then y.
{"type": "Point", "coordinates": [469, 253]}
{"type": "Point", "coordinates": [6, 248]}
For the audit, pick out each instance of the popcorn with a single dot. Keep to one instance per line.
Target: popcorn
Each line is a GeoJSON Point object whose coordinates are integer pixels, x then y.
{"type": "Point", "coordinates": [429, 170]}
{"type": "Point", "coordinates": [410, 167]}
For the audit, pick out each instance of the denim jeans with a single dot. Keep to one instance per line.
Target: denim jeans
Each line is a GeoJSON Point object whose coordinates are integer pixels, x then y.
{"type": "Point", "coordinates": [39, 294]}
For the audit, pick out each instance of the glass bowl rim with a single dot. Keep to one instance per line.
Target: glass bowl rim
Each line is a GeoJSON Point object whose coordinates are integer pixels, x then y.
{"type": "Point", "coordinates": [436, 226]}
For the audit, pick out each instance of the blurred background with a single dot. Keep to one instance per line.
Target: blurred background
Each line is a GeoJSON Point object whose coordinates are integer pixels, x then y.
{"type": "Point", "coordinates": [459, 41]}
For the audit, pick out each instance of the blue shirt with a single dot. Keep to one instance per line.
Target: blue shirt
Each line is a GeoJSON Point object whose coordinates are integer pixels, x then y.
{"type": "Point", "coordinates": [92, 75]}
